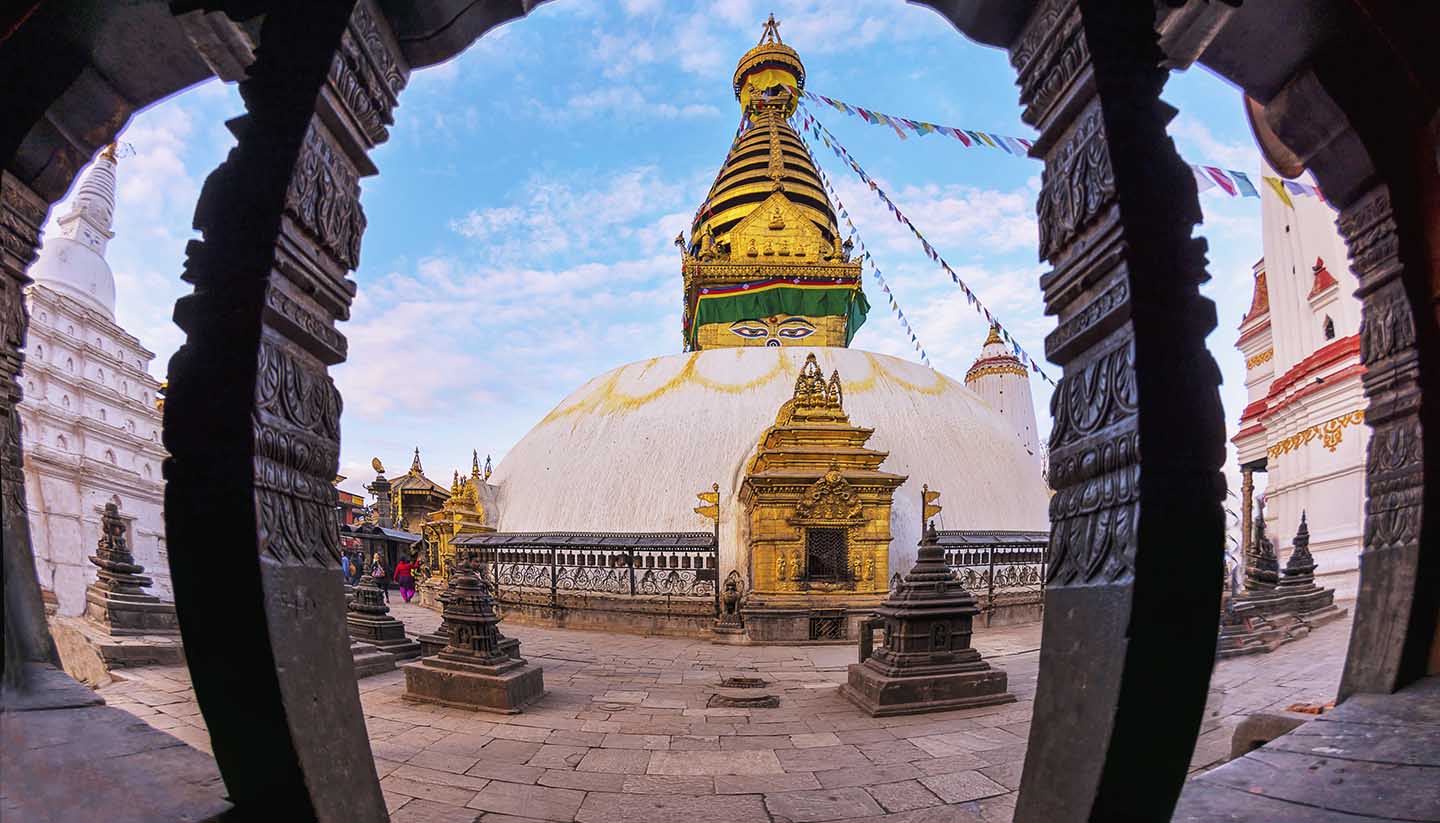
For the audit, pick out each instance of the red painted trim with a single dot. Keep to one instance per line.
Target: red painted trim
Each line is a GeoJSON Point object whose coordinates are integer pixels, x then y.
{"type": "Point", "coordinates": [1322, 357]}
{"type": "Point", "coordinates": [1248, 431]}
{"type": "Point", "coordinates": [1355, 370]}
{"type": "Point", "coordinates": [1253, 410]}
{"type": "Point", "coordinates": [1253, 333]}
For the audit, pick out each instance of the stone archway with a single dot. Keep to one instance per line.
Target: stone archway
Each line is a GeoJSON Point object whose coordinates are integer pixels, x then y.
{"type": "Point", "coordinates": [252, 417]}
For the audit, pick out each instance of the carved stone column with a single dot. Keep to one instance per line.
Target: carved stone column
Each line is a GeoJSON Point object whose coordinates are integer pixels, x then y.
{"type": "Point", "coordinates": [1132, 594]}
{"type": "Point", "coordinates": [252, 418]}
{"type": "Point", "coordinates": [27, 638]}
{"type": "Point", "coordinates": [1382, 655]}
{"type": "Point", "coordinates": [1247, 510]}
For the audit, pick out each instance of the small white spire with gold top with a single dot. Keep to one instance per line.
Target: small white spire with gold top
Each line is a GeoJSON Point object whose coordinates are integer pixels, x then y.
{"type": "Point", "coordinates": [1001, 380]}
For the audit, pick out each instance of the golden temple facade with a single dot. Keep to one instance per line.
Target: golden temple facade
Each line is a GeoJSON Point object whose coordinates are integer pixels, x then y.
{"type": "Point", "coordinates": [817, 508]}
{"type": "Point", "coordinates": [765, 264]}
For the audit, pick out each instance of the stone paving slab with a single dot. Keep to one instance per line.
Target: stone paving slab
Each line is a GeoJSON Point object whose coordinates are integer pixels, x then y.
{"type": "Point", "coordinates": [625, 734]}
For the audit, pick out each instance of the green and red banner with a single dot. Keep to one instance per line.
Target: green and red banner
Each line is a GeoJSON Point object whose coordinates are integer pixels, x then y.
{"type": "Point", "coordinates": [768, 298]}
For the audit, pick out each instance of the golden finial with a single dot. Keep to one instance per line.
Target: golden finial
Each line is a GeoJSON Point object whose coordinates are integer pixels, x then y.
{"type": "Point", "coordinates": [415, 467]}
{"type": "Point", "coordinates": [772, 31]}
{"type": "Point", "coordinates": [994, 336]}
{"type": "Point", "coordinates": [109, 151]}
{"type": "Point", "coordinates": [376, 465]}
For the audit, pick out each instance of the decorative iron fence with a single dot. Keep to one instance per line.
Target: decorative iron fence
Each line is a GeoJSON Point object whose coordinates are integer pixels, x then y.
{"type": "Point", "coordinates": [658, 570]}
{"type": "Point", "coordinates": [1000, 568]}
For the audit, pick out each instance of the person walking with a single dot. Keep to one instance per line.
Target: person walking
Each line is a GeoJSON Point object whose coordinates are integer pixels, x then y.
{"type": "Point", "coordinates": [405, 578]}
{"type": "Point", "coordinates": [345, 567]}
{"type": "Point", "coordinates": [381, 576]}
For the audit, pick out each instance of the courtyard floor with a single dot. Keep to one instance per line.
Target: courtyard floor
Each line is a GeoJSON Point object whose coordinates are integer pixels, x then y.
{"type": "Point", "coordinates": [623, 734]}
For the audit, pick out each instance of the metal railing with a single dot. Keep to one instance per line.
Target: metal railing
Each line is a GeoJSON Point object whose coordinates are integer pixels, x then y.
{"type": "Point", "coordinates": [542, 569]}
{"type": "Point", "coordinates": [999, 568]}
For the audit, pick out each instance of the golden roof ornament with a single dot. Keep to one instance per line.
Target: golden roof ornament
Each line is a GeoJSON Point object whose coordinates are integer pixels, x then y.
{"type": "Point", "coordinates": [994, 336]}
{"type": "Point", "coordinates": [376, 465]}
{"type": "Point", "coordinates": [415, 468]}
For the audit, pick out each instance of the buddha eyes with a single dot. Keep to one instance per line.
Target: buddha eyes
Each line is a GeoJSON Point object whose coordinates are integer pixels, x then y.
{"type": "Point", "coordinates": [796, 332]}
{"type": "Point", "coordinates": [750, 332]}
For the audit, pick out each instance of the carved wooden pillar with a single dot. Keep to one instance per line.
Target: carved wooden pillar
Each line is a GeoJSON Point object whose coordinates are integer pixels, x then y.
{"type": "Point", "coordinates": [27, 638]}
{"type": "Point", "coordinates": [1384, 652]}
{"type": "Point", "coordinates": [1132, 593]}
{"type": "Point", "coordinates": [252, 418]}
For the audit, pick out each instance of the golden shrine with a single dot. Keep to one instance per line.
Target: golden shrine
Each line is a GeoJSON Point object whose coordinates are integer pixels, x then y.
{"type": "Point", "coordinates": [818, 510]}
{"type": "Point", "coordinates": [765, 265]}
{"type": "Point", "coordinates": [463, 513]}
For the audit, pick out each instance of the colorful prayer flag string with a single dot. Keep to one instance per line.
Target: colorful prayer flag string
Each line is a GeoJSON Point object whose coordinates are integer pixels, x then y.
{"type": "Point", "coordinates": [814, 126]}
{"type": "Point", "coordinates": [1207, 178]}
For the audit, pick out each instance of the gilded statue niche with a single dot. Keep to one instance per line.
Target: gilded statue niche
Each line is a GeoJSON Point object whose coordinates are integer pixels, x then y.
{"type": "Point", "coordinates": [817, 506]}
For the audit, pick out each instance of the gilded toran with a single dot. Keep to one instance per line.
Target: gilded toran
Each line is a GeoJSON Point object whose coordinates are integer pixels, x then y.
{"type": "Point", "coordinates": [765, 265]}
{"type": "Point", "coordinates": [812, 470]}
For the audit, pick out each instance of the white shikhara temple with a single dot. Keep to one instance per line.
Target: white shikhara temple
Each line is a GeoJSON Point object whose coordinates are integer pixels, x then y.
{"type": "Point", "coordinates": [90, 422]}
{"type": "Point", "coordinates": [1303, 425]}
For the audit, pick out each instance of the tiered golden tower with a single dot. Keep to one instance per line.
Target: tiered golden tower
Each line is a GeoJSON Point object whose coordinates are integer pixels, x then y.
{"type": "Point", "coordinates": [818, 512]}
{"type": "Point", "coordinates": [765, 264]}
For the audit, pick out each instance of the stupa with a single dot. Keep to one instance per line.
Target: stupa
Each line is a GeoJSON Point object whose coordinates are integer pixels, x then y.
{"type": "Point", "coordinates": [769, 286]}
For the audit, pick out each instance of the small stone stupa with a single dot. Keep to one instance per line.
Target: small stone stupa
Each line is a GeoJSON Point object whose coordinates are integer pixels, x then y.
{"type": "Point", "coordinates": [926, 663]}
{"type": "Point", "coordinates": [474, 671]}
{"type": "Point", "coordinates": [368, 620]}
{"type": "Point", "coordinates": [118, 602]}
{"type": "Point", "coordinates": [1266, 616]}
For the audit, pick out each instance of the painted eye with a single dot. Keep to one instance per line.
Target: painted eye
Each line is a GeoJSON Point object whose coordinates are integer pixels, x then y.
{"type": "Point", "coordinates": [751, 332]}
{"type": "Point", "coordinates": [796, 332]}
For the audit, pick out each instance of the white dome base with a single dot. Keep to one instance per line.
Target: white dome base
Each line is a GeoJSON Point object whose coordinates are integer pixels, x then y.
{"type": "Point", "coordinates": [629, 450]}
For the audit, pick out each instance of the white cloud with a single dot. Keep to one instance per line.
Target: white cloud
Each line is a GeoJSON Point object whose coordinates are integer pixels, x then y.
{"type": "Point", "coordinates": [1200, 145]}
{"type": "Point", "coordinates": [628, 101]}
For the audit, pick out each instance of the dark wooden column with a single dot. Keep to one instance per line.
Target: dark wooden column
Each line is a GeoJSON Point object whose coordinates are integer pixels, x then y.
{"type": "Point", "coordinates": [252, 419]}
{"type": "Point", "coordinates": [1133, 592]}
{"type": "Point", "coordinates": [27, 638]}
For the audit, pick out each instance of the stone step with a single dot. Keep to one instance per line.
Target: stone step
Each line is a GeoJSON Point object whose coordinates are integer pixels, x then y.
{"type": "Point", "coordinates": [370, 660]}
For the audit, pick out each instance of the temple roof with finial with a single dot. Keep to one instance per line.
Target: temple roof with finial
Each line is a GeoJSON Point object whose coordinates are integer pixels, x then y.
{"type": "Point", "coordinates": [995, 358]}
{"type": "Point", "coordinates": [769, 156]}
{"type": "Point", "coordinates": [416, 479]}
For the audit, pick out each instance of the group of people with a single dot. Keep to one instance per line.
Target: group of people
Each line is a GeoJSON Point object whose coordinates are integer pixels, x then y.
{"type": "Point", "coordinates": [405, 574]}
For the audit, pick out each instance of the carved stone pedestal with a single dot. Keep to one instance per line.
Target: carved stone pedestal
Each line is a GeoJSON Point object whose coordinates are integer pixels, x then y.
{"type": "Point", "coordinates": [370, 660]}
{"type": "Point", "coordinates": [730, 624]}
{"type": "Point", "coordinates": [117, 602]}
{"type": "Point", "coordinates": [433, 643]}
{"type": "Point", "coordinates": [926, 664]}
{"type": "Point", "coordinates": [473, 671]}
{"type": "Point", "coordinates": [1265, 618]}
{"type": "Point", "coordinates": [368, 620]}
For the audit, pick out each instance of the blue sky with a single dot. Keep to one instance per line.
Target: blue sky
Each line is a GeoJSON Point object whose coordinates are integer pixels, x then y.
{"type": "Point", "coordinates": [520, 230]}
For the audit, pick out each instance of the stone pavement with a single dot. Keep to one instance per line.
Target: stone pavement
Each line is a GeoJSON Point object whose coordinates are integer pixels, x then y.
{"type": "Point", "coordinates": [624, 734]}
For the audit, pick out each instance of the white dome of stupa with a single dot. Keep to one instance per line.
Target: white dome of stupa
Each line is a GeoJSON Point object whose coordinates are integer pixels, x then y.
{"type": "Point", "coordinates": [72, 261]}
{"type": "Point", "coordinates": [629, 450]}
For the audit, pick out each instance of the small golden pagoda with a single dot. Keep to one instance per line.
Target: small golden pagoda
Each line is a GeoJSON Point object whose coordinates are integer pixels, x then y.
{"type": "Point", "coordinates": [765, 265]}
{"type": "Point", "coordinates": [818, 510]}
{"type": "Point", "coordinates": [463, 513]}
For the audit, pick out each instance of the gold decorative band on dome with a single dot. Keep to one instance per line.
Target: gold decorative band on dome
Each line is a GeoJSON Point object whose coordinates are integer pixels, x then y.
{"type": "Point", "coordinates": [1331, 432]}
{"type": "Point", "coordinates": [986, 366]}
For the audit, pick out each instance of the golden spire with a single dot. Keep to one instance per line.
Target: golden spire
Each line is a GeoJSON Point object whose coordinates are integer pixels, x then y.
{"type": "Point", "coordinates": [415, 468]}
{"type": "Point", "coordinates": [475, 463]}
{"type": "Point", "coordinates": [109, 151]}
{"type": "Point", "coordinates": [994, 336]}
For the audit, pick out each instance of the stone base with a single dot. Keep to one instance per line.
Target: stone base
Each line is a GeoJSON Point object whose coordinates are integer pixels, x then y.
{"type": "Point", "coordinates": [427, 593]}
{"type": "Point", "coordinates": [370, 660]}
{"type": "Point", "coordinates": [793, 621]}
{"type": "Point", "coordinates": [932, 689]}
{"type": "Point", "coordinates": [121, 615]}
{"type": "Point", "coordinates": [1258, 622]}
{"type": "Point", "coordinates": [1260, 634]}
{"type": "Point", "coordinates": [729, 634]}
{"type": "Point", "coordinates": [383, 631]}
{"type": "Point", "coordinates": [431, 644]}
{"type": "Point", "coordinates": [505, 689]}
{"type": "Point", "coordinates": [87, 651]}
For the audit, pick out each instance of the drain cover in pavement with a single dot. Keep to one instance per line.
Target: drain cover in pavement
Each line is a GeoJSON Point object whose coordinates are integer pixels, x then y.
{"type": "Point", "coordinates": [742, 683]}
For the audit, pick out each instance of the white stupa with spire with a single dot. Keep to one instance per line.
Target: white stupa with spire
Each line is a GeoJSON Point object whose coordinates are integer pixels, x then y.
{"type": "Point", "coordinates": [89, 416]}
{"type": "Point", "coordinates": [1002, 380]}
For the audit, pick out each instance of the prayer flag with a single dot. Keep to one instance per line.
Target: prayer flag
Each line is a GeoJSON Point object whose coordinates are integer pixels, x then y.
{"type": "Point", "coordinates": [1274, 184]}
{"type": "Point", "coordinates": [986, 138]}
{"type": "Point", "coordinates": [1296, 188]}
{"type": "Point", "coordinates": [1220, 179]}
{"type": "Point", "coordinates": [961, 136]}
{"type": "Point", "coordinates": [1247, 189]}
{"type": "Point", "coordinates": [1203, 183]}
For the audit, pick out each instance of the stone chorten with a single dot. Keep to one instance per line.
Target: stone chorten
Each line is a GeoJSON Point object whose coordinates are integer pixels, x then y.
{"type": "Point", "coordinates": [432, 644]}
{"type": "Point", "coordinates": [117, 602]}
{"type": "Point", "coordinates": [474, 670]}
{"type": "Point", "coordinates": [1262, 566]}
{"type": "Point", "coordinates": [926, 663]}
{"type": "Point", "coordinates": [369, 621]}
{"type": "Point", "coordinates": [1265, 617]}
